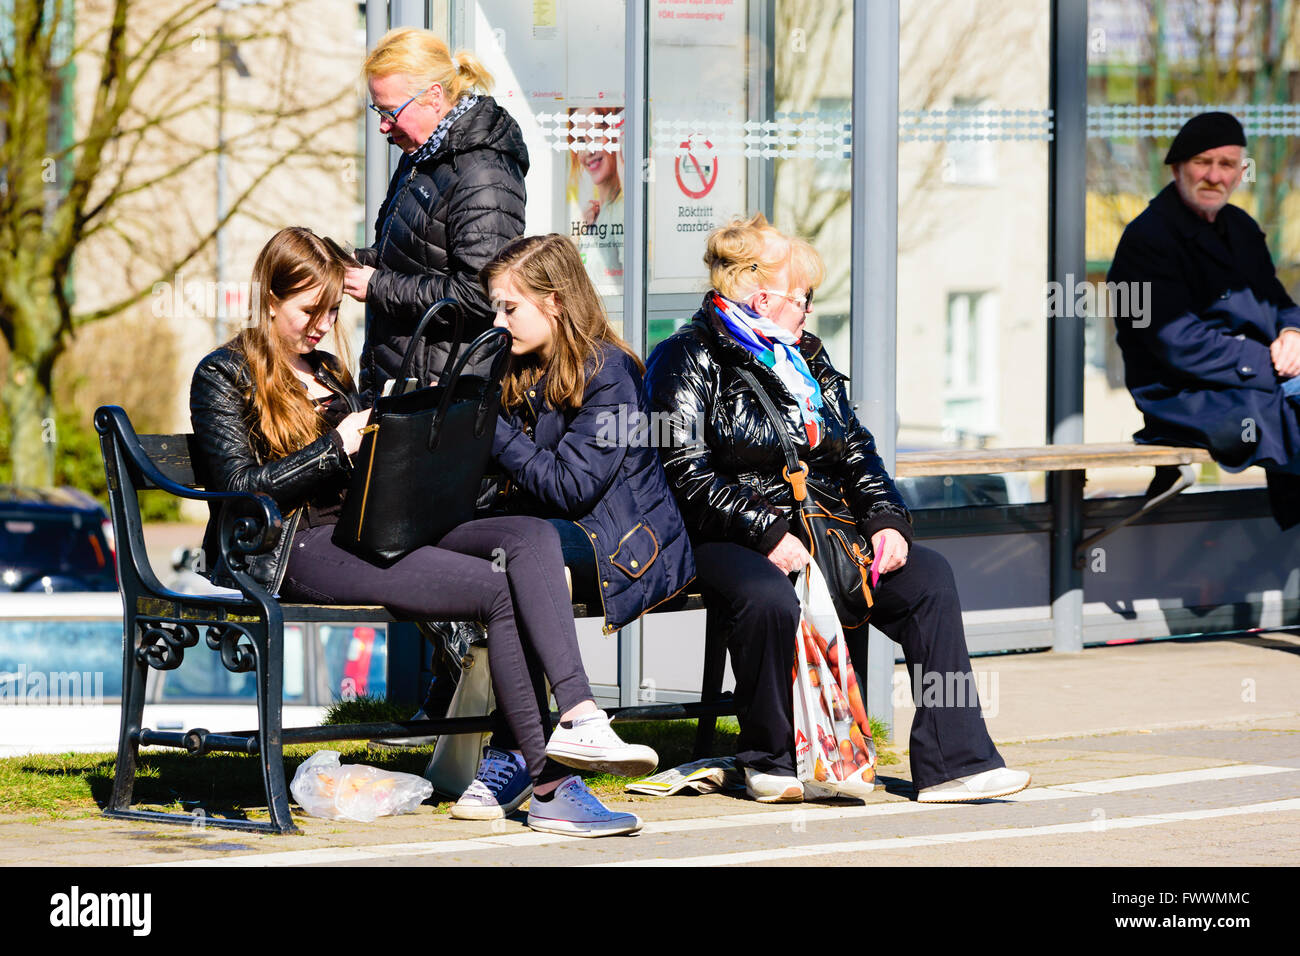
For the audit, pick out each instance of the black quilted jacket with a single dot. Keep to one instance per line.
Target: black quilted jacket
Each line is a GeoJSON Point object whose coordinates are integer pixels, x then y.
{"type": "Point", "coordinates": [221, 411]}
{"type": "Point", "coordinates": [729, 487]}
{"type": "Point", "coordinates": [441, 222]}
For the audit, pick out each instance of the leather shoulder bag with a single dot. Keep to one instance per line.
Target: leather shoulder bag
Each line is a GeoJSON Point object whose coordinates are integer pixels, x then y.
{"type": "Point", "coordinates": [424, 452]}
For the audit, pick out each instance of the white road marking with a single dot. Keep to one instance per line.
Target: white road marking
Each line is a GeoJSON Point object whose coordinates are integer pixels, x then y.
{"type": "Point", "coordinates": [972, 836]}
{"type": "Point", "coordinates": [803, 814]}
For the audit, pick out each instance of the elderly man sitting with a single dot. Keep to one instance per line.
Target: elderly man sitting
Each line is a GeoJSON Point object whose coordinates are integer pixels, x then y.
{"type": "Point", "coordinates": [1213, 360]}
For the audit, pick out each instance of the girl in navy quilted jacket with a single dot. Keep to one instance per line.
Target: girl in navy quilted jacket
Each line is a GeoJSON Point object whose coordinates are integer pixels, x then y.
{"type": "Point", "coordinates": [575, 441]}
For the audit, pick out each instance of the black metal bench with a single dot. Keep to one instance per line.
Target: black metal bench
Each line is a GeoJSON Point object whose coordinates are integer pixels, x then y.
{"type": "Point", "coordinates": [247, 630]}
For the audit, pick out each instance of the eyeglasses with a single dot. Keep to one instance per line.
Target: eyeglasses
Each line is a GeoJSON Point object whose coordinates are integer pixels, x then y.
{"type": "Point", "coordinates": [804, 302]}
{"type": "Point", "coordinates": [391, 115]}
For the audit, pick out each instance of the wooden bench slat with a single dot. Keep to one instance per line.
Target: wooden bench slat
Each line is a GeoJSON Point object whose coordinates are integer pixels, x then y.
{"type": "Point", "coordinates": [965, 461]}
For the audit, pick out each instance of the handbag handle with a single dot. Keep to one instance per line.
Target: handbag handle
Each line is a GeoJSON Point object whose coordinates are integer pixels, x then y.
{"type": "Point", "coordinates": [493, 339]}
{"type": "Point", "coordinates": [426, 321]}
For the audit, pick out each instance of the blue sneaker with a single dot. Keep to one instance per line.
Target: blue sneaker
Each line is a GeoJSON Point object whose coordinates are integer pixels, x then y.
{"type": "Point", "coordinates": [574, 811]}
{"type": "Point", "coordinates": [498, 788]}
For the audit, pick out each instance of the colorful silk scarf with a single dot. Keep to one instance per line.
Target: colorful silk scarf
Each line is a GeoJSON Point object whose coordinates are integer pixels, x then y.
{"type": "Point", "coordinates": [431, 144]}
{"type": "Point", "coordinates": [777, 349]}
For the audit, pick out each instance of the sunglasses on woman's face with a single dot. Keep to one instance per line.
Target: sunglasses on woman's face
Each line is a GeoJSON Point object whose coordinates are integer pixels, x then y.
{"type": "Point", "coordinates": [804, 302]}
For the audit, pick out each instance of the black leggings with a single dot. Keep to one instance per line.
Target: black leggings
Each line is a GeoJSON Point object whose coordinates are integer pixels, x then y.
{"type": "Point", "coordinates": [506, 572]}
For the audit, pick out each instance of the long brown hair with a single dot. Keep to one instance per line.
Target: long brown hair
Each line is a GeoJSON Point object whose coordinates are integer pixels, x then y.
{"type": "Point", "coordinates": [294, 260]}
{"type": "Point", "coordinates": [541, 266]}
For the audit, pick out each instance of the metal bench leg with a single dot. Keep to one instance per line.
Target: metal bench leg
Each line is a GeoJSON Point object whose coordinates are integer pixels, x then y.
{"type": "Point", "coordinates": [715, 666]}
{"type": "Point", "coordinates": [270, 685]}
{"type": "Point", "coordinates": [135, 675]}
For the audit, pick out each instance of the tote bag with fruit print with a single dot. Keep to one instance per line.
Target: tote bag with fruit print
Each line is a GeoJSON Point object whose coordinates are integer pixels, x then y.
{"type": "Point", "coordinates": [833, 750]}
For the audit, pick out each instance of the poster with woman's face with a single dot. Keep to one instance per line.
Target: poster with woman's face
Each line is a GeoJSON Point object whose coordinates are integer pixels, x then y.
{"type": "Point", "coordinates": [594, 192]}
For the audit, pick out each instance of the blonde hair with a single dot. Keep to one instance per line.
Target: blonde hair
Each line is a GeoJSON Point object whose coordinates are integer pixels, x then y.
{"type": "Point", "coordinates": [541, 266]}
{"type": "Point", "coordinates": [425, 59]}
{"type": "Point", "coordinates": [806, 267]}
{"type": "Point", "coordinates": [294, 260]}
{"type": "Point", "coordinates": [745, 255]}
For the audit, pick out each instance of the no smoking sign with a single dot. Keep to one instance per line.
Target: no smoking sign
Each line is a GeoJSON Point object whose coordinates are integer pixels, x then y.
{"type": "Point", "coordinates": [696, 169]}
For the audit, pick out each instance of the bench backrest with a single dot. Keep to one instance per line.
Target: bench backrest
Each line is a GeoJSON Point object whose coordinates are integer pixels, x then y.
{"type": "Point", "coordinates": [174, 455]}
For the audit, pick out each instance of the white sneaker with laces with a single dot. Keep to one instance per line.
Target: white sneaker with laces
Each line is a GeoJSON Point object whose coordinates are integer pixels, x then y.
{"type": "Point", "coordinates": [999, 782]}
{"type": "Point", "coordinates": [589, 743]}
{"type": "Point", "coordinates": [574, 811]}
{"type": "Point", "coordinates": [772, 788]}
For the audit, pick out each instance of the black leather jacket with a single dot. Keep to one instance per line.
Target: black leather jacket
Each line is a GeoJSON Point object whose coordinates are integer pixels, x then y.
{"type": "Point", "coordinates": [441, 222]}
{"type": "Point", "coordinates": [729, 487]}
{"type": "Point", "coordinates": [221, 411]}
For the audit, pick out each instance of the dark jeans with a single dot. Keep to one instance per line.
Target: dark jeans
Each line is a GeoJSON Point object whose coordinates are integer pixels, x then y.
{"type": "Point", "coordinates": [580, 559]}
{"type": "Point", "coordinates": [505, 572]}
{"type": "Point", "coordinates": [755, 606]}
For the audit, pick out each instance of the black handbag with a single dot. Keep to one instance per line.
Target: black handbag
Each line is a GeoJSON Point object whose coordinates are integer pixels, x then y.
{"type": "Point", "coordinates": [826, 527]}
{"type": "Point", "coordinates": [424, 452]}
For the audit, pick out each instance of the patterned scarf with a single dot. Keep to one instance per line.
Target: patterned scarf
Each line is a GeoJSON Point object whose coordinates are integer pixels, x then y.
{"type": "Point", "coordinates": [777, 349]}
{"type": "Point", "coordinates": [464, 104]}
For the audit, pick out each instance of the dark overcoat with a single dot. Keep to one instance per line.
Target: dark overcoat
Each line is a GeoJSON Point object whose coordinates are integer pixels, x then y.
{"type": "Point", "coordinates": [1197, 361]}
{"type": "Point", "coordinates": [596, 466]}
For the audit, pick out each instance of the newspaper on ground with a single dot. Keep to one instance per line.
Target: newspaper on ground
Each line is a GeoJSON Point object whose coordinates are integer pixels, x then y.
{"type": "Point", "coordinates": [702, 776]}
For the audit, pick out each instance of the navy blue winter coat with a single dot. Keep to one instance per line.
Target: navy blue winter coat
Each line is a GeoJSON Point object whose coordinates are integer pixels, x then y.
{"type": "Point", "coordinates": [1198, 363]}
{"type": "Point", "coordinates": [594, 466]}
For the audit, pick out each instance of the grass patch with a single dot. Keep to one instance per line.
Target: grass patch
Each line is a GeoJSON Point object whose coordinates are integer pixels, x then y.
{"type": "Point", "coordinates": [366, 709]}
{"type": "Point", "coordinates": [55, 786]}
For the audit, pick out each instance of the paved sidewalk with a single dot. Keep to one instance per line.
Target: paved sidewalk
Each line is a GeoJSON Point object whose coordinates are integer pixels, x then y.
{"type": "Point", "coordinates": [1173, 753]}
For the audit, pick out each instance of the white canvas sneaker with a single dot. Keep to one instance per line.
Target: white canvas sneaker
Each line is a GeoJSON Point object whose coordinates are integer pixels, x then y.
{"type": "Point", "coordinates": [999, 782]}
{"type": "Point", "coordinates": [574, 811]}
{"type": "Point", "coordinates": [590, 744]}
{"type": "Point", "coordinates": [772, 788]}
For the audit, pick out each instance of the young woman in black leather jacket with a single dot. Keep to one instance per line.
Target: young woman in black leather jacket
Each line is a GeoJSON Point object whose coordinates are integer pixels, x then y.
{"type": "Point", "coordinates": [274, 414]}
{"type": "Point", "coordinates": [738, 511]}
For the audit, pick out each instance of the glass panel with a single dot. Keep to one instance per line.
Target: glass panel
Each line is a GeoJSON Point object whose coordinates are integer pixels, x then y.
{"type": "Point", "coordinates": [559, 70]}
{"type": "Point", "coordinates": [972, 238]}
{"type": "Point", "coordinates": [355, 660]}
{"type": "Point", "coordinates": [202, 676]}
{"type": "Point", "coordinates": [60, 662]}
{"type": "Point", "coordinates": [1153, 64]}
{"type": "Point", "coordinates": [749, 111]}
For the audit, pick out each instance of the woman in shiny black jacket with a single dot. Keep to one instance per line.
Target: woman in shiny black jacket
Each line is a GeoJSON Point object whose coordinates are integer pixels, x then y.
{"type": "Point", "coordinates": [738, 510]}
{"type": "Point", "coordinates": [274, 414]}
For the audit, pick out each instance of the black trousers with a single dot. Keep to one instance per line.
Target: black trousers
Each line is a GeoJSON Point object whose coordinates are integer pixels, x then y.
{"type": "Point", "coordinates": [506, 572]}
{"type": "Point", "coordinates": [754, 605]}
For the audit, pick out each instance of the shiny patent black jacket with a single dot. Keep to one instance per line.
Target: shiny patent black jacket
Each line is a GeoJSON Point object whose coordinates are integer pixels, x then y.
{"type": "Point", "coordinates": [728, 482]}
{"type": "Point", "coordinates": [221, 411]}
{"type": "Point", "coordinates": [442, 220]}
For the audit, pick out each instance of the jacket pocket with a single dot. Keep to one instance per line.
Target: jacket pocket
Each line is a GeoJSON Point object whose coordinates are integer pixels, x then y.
{"type": "Point", "coordinates": [636, 551]}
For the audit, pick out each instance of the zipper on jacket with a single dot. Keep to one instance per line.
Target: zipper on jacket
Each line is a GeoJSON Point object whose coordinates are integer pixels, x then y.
{"type": "Point", "coordinates": [287, 553]}
{"type": "Point", "coordinates": [317, 462]}
{"type": "Point", "coordinates": [591, 538]}
{"type": "Point", "coordinates": [388, 223]}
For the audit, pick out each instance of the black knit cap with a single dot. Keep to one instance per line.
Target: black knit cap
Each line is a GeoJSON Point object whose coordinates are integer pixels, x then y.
{"type": "Point", "coordinates": [1205, 131]}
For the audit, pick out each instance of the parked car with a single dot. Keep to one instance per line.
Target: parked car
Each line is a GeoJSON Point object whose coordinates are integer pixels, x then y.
{"type": "Point", "coordinates": [54, 539]}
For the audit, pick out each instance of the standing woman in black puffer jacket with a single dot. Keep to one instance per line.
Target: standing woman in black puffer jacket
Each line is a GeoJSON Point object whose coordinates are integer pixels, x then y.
{"type": "Point", "coordinates": [739, 513]}
{"type": "Point", "coordinates": [456, 197]}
